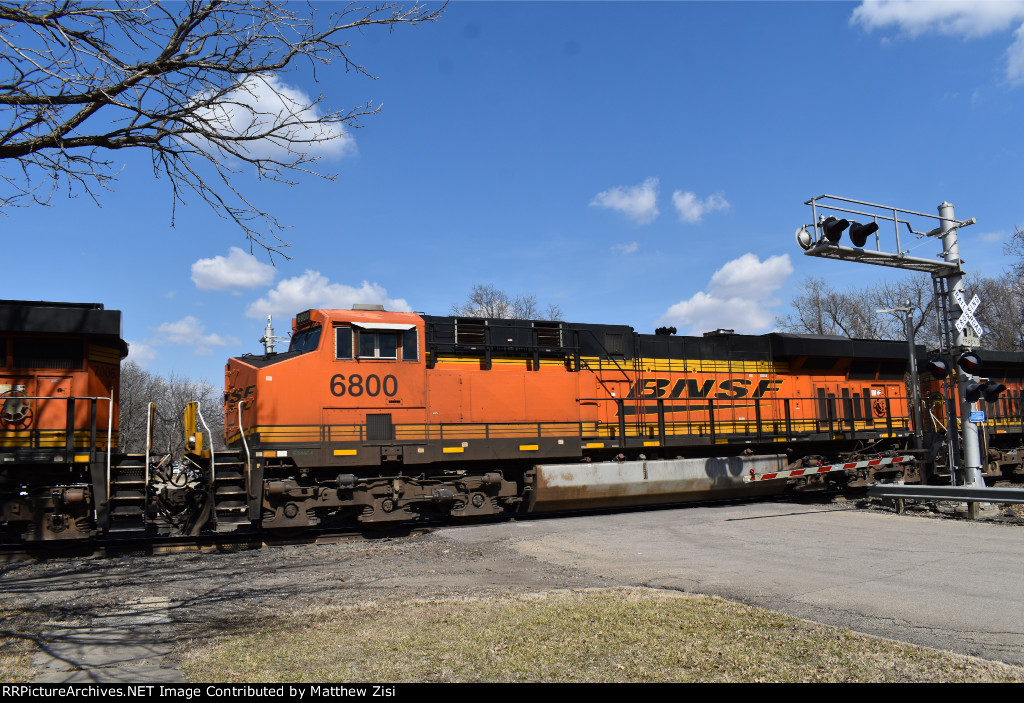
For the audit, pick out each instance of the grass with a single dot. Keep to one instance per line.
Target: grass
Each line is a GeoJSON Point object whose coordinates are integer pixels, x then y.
{"type": "Point", "coordinates": [618, 635]}
{"type": "Point", "coordinates": [17, 645]}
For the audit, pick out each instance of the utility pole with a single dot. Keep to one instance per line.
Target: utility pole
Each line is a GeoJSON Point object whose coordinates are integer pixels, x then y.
{"type": "Point", "coordinates": [915, 385]}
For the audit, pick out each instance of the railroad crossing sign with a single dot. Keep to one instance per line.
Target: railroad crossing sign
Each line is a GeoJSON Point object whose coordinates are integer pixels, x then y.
{"type": "Point", "coordinates": [968, 317]}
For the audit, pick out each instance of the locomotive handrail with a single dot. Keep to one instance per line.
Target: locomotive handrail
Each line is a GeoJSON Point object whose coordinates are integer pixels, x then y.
{"type": "Point", "coordinates": [248, 456]}
{"type": "Point", "coordinates": [213, 454]}
{"type": "Point", "coordinates": [69, 429]}
{"type": "Point", "coordinates": [149, 441]}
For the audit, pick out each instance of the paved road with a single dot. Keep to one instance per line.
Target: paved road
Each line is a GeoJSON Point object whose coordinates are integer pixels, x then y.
{"type": "Point", "coordinates": [945, 583]}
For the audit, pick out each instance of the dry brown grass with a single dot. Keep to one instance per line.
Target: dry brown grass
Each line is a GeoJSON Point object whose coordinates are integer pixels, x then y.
{"type": "Point", "coordinates": [618, 635]}
{"type": "Point", "coordinates": [17, 644]}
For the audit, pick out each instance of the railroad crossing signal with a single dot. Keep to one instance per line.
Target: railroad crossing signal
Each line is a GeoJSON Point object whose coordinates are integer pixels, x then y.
{"type": "Point", "coordinates": [938, 367]}
{"type": "Point", "coordinates": [967, 318]}
{"type": "Point", "coordinates": [833, 228]}
{"type": "Point", "coordinates": [969, 362]}
{"type": "Point", "coordinates": [990, 390]}
{"type": "Point", "coordinates": [859, 233]}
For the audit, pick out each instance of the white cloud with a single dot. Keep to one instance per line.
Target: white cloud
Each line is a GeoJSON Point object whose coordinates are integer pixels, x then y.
{"type": "Point", "coordinates": [626, 249]}
{"type": "Point", "coordinates": [314, 290]}
{"type": "Point", "coordinates": [264, 103]}
{"type": "Point", "coordinates": [1015, 58]}
{"type": "Point", "coordinates": [737, 297]}
{"type": "Point", "coordinates": [967, 19]}
{"type": "Point", "coordinates": [238, 270]}
{"type": "Point", "coordinates": [189, 332]}
{"type": "Point", "coordinates": [140, 353]}
{"type": "Point", "coordinates": [963, 18]}
{"type": "Point", "coordinates": [638, 203]}
{"type": "Point", "coordinates": [692, 209]}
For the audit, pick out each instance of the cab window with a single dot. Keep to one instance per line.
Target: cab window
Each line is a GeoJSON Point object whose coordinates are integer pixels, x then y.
{"type": "Point", "coordinates": [378, 345]}
{"type": "Point", "coordinates": [305, 340]}
{"type": "Point", "coordinates": [410, 349]}
{"type": "Point", "coordinates": [342, 342]}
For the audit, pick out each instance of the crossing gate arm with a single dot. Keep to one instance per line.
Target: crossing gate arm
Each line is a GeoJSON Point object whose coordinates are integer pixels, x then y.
{"type": "Point", "coordinates": [814, 470]}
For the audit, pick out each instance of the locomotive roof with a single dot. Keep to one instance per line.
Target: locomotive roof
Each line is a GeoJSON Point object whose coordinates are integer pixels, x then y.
{"type": "Point", "coordinates": [43, 317]}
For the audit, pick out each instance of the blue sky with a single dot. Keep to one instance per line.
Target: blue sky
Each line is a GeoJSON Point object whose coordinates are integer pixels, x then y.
{"type": "Point", "coordinates": [633, 163]}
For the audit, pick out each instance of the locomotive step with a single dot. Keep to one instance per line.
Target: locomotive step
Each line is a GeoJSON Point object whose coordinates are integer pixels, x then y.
{"type": "Point", "coordinates": [122, 511]}
{"type": "Point", "coordinates": [121, 491]}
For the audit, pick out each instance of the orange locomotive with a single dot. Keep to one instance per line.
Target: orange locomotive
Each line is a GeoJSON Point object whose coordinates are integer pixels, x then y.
{"type": "Point", "coordinates": [380, 416]}
{"type": "Point", "coordinates": [59, 383]}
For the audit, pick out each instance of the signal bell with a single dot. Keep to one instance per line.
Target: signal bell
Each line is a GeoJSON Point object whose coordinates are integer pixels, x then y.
{"type": "Point", "coordinates": [859, 233]}
{"type": "Point", "coordinates": [833, 229]}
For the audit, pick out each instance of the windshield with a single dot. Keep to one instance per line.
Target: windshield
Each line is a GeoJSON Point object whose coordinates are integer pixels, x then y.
{"type": "Point", "coordinates": [306, 340]}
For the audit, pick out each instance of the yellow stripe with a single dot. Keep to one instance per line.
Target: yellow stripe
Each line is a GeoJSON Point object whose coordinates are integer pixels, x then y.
{"type": "Point", "coordinates": [529, 447]}
{"type": "Point", "coordinates": [344, 452]}
{"type": "Point", "coordinates": [453, 450]}
{"type": "Point", "coordinates": [81, 457]}
{"type": "Point", "coordinates": [594, 445]}
{"type": "Point", "coordinates": [651, 444]}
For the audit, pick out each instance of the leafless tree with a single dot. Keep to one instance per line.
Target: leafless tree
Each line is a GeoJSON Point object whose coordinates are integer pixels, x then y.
{"type": "Point", "coordinates": [490, 301]}
{"type": "Point", "coordinates": [194, 83]}
{"type": "Point", "coordinates": [820, 309]}
{"type": "Point", "coordinates": [1000, 314]}
{"type": "Point", "coordinates": [139, 388]}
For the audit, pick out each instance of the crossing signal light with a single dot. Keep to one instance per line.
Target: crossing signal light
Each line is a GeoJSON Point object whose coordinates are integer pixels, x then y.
{"type": "Point", "coordinates": [938, 368]}
{"type": "Point", "coordinates": [972, 391]}
{"type": "Point", "coordinates": [859, 233]}
{"type": "Point", "coordinates": [833, 229]}
{"type": "Point", "coordinates": [992, 390]}
{"type": "Point", "coordinates": [969, 362]}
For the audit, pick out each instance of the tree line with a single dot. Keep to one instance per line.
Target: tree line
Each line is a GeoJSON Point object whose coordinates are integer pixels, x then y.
{"type": "Point", "coordinates": [170, 394]}
{"type": "Point", "coordinates": [818, 308]}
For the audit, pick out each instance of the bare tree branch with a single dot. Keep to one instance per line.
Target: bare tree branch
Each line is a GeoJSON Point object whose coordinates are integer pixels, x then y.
{"type": "Point", "coordinates": [195, 83]}
{"type": "Point", "coordinates": [819, 309]}
{"type": "Point", "coordinates": [490, 301]}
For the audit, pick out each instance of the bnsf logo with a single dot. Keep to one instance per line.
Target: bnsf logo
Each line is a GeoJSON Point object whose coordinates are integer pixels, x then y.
{"type": "Point", "coordinates": [707, 388]}
{"type": "Point", "coordinates": [237, 394]}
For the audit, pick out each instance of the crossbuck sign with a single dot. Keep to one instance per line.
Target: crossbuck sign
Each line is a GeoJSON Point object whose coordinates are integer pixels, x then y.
{"type": "Point", "coordinates": [968, 316]}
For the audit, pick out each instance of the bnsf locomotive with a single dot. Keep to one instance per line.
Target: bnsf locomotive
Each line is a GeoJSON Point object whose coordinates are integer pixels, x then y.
{"type": "Point", "coordinates": [378, 417]}
{"type": "Point", "coordinates": [59, 373]}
